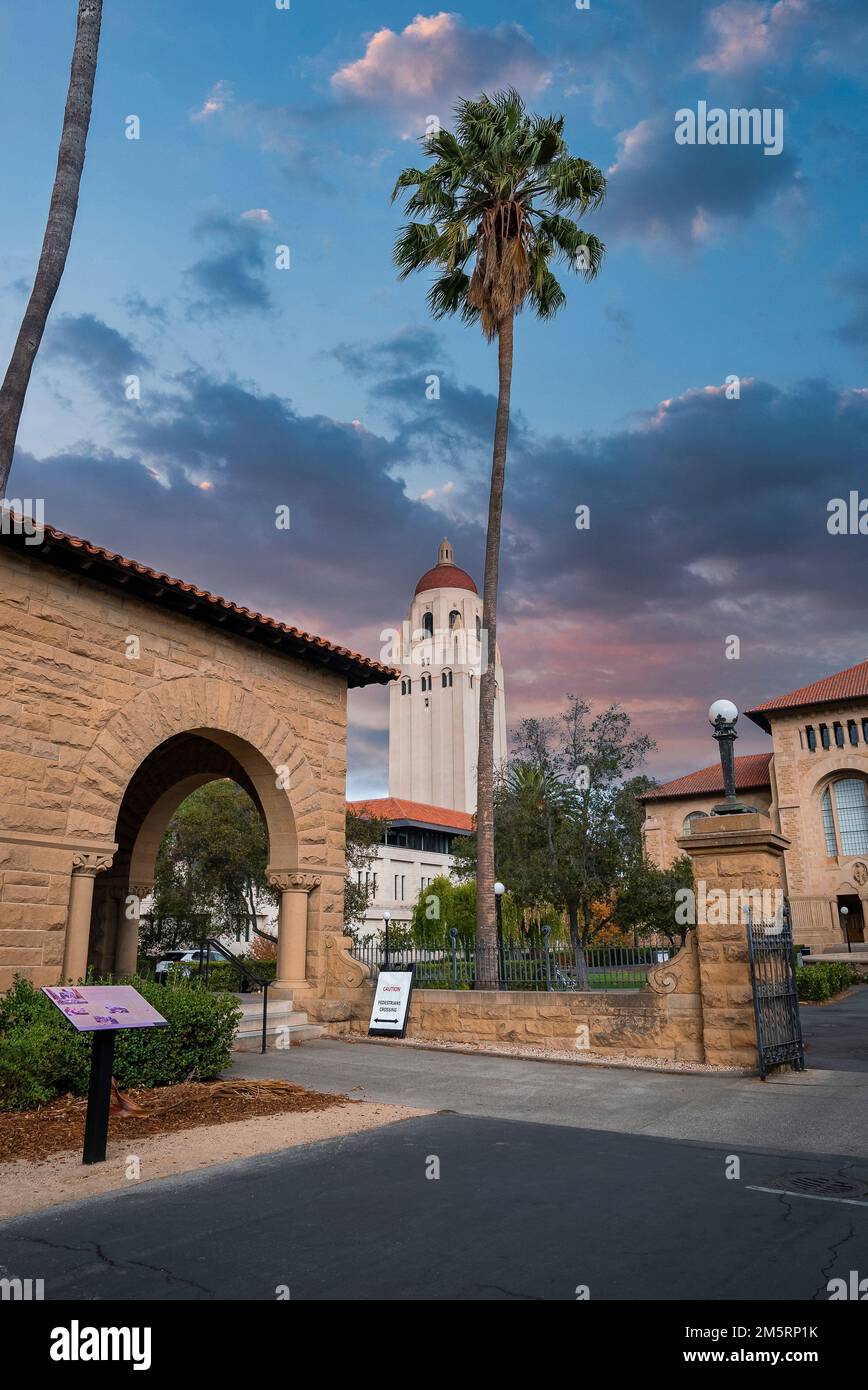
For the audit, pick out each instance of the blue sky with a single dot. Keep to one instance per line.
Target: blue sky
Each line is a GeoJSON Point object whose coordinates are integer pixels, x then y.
{"type": "Point", "coordinates": [262, 127]}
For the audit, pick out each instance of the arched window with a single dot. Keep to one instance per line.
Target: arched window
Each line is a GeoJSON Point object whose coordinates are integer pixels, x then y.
{"type": "Point", "coordinates": [426, 682]}
{"type": "Point", "coordinates": [428, 624]}
{"type": "Point", "coordinates": [446, 678]}
{"type": "Point", "coordinates": [844, 808]}
{"type": "Point", "coordinates": [406, 687]}
{"type": "Point", "coordinates": [687, 827]}
{"type": "Point", "coordinates": [455, 620]}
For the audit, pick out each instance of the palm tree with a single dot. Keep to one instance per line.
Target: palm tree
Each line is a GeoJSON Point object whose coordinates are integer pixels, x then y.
{"type": "Point", "coordinates": [497, 201]}
{"type": "Point", "coordinates": [58, 231]}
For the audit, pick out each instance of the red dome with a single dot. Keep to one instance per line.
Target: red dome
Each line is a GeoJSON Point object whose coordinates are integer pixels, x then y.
{"type": "Point", "coordinates": [446, 577]}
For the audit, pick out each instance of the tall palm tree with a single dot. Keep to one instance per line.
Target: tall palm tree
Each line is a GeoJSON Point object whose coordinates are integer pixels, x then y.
{"type": "Point", "coordinates": [497, 201]}
{"type": "Point", "coordinates": [58, 231]}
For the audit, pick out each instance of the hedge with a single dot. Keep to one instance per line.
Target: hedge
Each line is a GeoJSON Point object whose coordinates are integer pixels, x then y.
{"type": "Point", "coordinates": [821, 981]}
{"type": "Point", "coordinates": [42, 1057]}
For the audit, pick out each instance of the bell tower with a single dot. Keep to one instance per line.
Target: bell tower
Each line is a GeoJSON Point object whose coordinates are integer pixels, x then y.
{"type": "Point", "coordinates": [434, 706]}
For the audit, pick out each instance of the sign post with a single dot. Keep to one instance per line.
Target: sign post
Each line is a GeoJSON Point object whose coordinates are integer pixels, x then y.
{"type": "Point", "coordinates": [101, 1010]}
{"type": "Point", "coordinates": [391, 1004]}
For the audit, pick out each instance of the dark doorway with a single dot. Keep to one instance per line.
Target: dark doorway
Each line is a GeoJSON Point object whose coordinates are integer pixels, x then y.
{"type": "Point", "coordinates": [853, 921]}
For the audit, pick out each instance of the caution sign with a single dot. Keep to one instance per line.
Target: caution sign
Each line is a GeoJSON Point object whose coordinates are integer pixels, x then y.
{"type": "Point", "coordinates": [391, 1004]}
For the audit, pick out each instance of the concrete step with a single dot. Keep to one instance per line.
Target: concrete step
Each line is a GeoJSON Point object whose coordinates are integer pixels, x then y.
{"type": "Point", "coordinates": [284, 1024]}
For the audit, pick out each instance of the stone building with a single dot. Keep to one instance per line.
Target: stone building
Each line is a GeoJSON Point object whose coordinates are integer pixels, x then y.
{"type": "Point", "coordinates": [813, 785]}
{"type": "Point", "coordinates": [434, 707]}
{"type": "Point", "coordinates": [121, 691]}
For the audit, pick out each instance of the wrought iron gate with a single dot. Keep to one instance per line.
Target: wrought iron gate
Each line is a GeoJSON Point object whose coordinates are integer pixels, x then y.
{"type": "Point", "coordinates": [775, 996]}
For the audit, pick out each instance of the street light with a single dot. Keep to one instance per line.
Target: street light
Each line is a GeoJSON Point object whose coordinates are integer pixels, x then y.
{"type": "Point", "coordinates": [387, 916]}
{"type": "Point", "coordinates": [499, 891]}
{"type": "Point", "coordinates": [845, 913]}
{"type": "Point", "coordinates": [723, 717]}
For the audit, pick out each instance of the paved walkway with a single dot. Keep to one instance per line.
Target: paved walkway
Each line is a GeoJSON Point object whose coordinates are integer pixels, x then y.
{"type": "Point", "coordinates": [836, 1034]}
{"type": "Point", "coordinates": [810, 1112]}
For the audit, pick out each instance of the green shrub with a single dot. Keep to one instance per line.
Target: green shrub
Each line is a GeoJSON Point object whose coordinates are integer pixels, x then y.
{"type": "Point", "coordinates": [42, 1056]}
{"type": "Point", "coordinates": [823, 980]}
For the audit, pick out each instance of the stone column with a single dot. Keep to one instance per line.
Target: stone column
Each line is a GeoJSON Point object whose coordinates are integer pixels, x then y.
{"type": "Point", "coordinates": [127, 947]}
{"type": "Point", "coordinates": [85, 868]}
{"type": "Point", "coordinates": [295, 889]}
{"type": "Point", "coordinates": [732, 856]}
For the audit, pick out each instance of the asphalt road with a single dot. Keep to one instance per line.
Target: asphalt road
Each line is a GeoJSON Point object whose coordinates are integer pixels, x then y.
{"type": "Point", "coordinates": [836, 1035]}
{"type": "Point", "coordinates": [519, 1211]}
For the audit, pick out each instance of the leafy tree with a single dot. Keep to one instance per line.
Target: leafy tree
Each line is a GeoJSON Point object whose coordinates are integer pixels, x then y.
{"type": "Point", "coordinates": [647, 899]}
{"type": "Point", "coordinates": [497, 200]}
{"type": "Point", "coordinates": [58, 231]}
{"type": "Point", "coordinates": [210, 866]}
{"type": "Point", "coordinates": [441, 906]}
{"type": "Point", "coordinates": [364, 836]}
{"type": "Point", "coordinates": [570, 815]}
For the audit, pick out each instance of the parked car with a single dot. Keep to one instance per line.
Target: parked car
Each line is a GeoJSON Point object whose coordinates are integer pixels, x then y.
{"type": "Point", "coordinates": [186, 960]}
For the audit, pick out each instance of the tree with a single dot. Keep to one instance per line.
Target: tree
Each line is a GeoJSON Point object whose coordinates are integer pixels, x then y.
{"type": "Point", "coordinates": [58, 231]}
{"type": "Point", "coordinates": [211, 867]}
{"type": "Point", "coordinates": [648, 899]}
{"type": "Point", "coordinates": [582, 816]}
{"type": "Point", "coordinates": [499, 194]}
{"type": "Point", "coordinates": [364, 836]}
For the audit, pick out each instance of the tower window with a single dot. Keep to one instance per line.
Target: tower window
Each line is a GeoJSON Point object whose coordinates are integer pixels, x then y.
{"type": "Point", "coordinates": [426, 682]}
{"type": "Point", "coordinates": [454, 620]}
{"type": "Point", "coordinates": [478, 627]}
{"type": "Point", "coordinates": [406, 687]}
{"type": "Point", "coordinates": [428, 624]}
{"type": "Point", "coordinates": [446, 678]}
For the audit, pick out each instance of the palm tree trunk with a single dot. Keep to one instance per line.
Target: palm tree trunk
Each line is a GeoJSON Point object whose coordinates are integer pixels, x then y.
{"type": "Point", "coordinates": [58, 231]}
{"type": "Point", "coordinates": [486, 928]}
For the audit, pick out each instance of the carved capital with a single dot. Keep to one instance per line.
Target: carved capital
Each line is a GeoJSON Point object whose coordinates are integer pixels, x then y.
{"type": "Point", "coordinates": [89, 865]}
{"type": "Point", "coordinates": [140, 890]}
{"type": "Point", "coordinates": [295, 882]}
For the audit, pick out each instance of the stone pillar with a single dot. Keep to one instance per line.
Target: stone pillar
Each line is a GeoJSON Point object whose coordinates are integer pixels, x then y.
{"type": "Point", "coordinates": [127, 947]}
{"type": "Point", "coordinates": [732, 855]}
{"type": "Point", "coordinates": [295, 889]}
{"type": "Point", "coordinates": [85, 868]}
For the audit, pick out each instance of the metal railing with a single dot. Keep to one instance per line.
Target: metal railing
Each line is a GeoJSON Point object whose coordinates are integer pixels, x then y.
{"type": "Point", "coordinates": [203, 967]}
{"type": "Point", "coordinates": [534, 965]}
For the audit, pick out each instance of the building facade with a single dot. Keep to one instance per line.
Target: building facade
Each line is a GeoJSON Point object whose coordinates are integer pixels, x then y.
{"type": "Point", "coordinates": [417, 848]}
{"type": "Point", "coordinates": [813, 784]}
{"type": "Point", "coordinates": [434, 707]}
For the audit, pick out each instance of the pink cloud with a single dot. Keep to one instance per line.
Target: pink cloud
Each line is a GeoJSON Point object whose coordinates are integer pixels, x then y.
{"type": "Point", "coordinates": [216, 101]}
{"type": "Point", "coordinates": [437, 59]}
{"type": "Point", "coordinates": [748, 34]}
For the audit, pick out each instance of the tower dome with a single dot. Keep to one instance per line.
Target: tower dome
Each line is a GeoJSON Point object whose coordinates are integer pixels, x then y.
{"type": "Point", "coordinates": [445, 574]}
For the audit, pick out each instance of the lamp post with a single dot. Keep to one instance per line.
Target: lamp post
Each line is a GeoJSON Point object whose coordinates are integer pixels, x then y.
{"type": "Point", "coordinates": [845, 922]}
{"type": "Point", "coordinates": [387, 916]}
{"type": "Point", "coordinates": [723, 717]}
{"type": "Point", "coordinates": [499, 891]}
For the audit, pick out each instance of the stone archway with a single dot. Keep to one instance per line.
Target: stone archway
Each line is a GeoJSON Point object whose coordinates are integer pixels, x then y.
{"type": "Point", "coordinates": [159, 747]}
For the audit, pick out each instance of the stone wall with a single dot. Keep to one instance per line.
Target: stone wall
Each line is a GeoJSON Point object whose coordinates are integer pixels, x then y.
{"type": "Point", "coordinates": [662, 1022]}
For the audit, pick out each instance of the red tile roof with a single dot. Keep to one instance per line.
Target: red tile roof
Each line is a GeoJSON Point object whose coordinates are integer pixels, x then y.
{"type": "Point", "coordinates": [70, 552]}
{"type": "Point", "coordinates": [395, 808]}
{"type": "Point", "coordinates": [445, 577]}
{"type": "Point", "coordinates": [851, 684]}
{"type": "Point", "coordinates": [751, 770]}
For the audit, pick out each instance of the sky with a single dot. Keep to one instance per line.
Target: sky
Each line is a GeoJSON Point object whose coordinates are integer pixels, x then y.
{"type": "Point", "coordinates": [297, 377]}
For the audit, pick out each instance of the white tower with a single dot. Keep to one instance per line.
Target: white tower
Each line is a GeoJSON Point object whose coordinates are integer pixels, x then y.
{"type": "Point", "coordinates": [434, 707]}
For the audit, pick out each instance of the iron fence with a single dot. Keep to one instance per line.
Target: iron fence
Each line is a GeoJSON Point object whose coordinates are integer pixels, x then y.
{"type": "Point", "coordinates": [538, 965]}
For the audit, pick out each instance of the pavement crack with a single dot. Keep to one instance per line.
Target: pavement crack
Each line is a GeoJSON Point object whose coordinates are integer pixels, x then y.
{"type": "Point", "coordinates": [94, 1248]}
{"type": "Point", "coordinates": [826, 1270]}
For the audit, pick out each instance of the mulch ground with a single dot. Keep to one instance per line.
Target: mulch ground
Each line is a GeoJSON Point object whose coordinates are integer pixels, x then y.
{"type": "Point", "coordinates": [35, 1134]}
